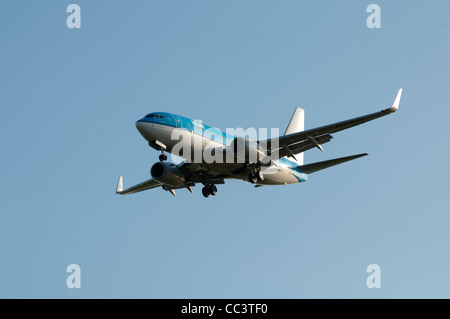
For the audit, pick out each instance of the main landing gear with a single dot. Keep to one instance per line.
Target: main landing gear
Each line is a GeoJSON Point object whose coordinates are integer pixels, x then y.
{"type": "Point", "coordinates": [256, 176]}
{"type": "Point", "coordinates": [210, 189]}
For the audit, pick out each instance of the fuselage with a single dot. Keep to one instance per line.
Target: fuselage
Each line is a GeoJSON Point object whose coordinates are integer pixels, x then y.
{"type": "Point", "coordinates": [170, 129]}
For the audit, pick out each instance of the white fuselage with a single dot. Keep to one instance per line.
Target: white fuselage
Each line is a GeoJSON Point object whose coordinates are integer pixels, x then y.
{"type": "Point", "coordinates": [279, 173]}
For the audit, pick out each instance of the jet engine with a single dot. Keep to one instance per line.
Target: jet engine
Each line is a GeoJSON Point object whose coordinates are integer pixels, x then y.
{"type": "Point", "coordinates": [167, 173]}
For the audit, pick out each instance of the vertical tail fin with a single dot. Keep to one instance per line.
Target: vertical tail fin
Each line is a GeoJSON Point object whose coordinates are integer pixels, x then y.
{"type": "Point", "coordinates": [297, 124]}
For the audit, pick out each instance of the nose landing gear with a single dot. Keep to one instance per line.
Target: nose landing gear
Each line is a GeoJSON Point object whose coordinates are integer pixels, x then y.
{"type": "Point", "coordinates": [159, 146]}
{"type": "Point", "coordinates": [163, 157]}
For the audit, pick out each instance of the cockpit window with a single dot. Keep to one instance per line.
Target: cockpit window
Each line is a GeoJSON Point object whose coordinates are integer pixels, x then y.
{"type": "Point", "coordinates": [155, 115]}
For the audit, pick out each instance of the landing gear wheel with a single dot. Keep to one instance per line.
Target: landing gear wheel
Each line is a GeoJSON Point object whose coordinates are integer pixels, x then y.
{"type": "Point", "coordinates": [252, 178]}
{"type": "Point", "coordinates": [163, 157]}
{"type": "Point", "coordinates": [205, 191]}
{"type": "Point", "coordinates": [212, 189]}
{"type": "Point", "coordinates": [259, 175]}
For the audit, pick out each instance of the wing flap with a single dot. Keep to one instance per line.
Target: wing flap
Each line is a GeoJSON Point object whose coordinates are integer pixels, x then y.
{"type": "Point", "coordinates": [305, 145]}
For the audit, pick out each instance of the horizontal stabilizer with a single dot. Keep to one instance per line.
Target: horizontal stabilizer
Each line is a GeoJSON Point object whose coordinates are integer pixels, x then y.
{"type": "Point", "coordinates": [314, 167]}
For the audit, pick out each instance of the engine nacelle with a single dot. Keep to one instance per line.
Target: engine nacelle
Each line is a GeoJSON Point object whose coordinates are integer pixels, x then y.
{"type": "Point", "coordinates": [166, 173]}
{"type": "Point", "coordinates": [245, 150]}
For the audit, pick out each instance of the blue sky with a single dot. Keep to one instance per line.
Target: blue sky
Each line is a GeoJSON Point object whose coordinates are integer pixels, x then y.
{"type": "Point", "coordinates": [69, 100]}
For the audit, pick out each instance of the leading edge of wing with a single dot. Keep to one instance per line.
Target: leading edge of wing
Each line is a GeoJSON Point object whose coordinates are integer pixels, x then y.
{"type": "Point", "coordinates": [148, 184]}
{"type": "Point", "coordinates": [286, 140]}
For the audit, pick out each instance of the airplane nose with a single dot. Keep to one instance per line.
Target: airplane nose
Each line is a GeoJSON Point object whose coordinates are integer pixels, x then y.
{"type": "Point", "coordinates": [140, 126]}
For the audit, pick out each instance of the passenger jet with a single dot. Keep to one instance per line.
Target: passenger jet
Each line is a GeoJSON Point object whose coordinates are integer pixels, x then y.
{"type": "Point", "coordinates": [278, 160]}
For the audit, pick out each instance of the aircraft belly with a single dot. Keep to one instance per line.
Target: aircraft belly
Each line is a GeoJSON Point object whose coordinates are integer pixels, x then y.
{"type": "Point", "coordinates": [280, 177]}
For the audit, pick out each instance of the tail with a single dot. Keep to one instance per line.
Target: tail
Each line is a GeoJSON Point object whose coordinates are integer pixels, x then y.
{"type": "Point", "coordinates": [297, 124]}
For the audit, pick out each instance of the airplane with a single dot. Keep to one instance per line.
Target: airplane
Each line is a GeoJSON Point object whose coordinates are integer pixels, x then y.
{"type": "Point", "coordinates": [279, 160]}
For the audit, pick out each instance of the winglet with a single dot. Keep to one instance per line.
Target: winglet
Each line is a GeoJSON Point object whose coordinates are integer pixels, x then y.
{"type": "Point", "coordinates": [119, 188]}
{"type": "Point", "coordinates": [394, 106]}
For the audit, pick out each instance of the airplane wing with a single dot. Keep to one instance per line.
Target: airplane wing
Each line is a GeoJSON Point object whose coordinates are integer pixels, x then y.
{"type": "Point", "coordinates": [295, 143]}
{"type": "Point", "coordinates": [192, 173]}
{"type": "Point", "coordinates": [148, 184]}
